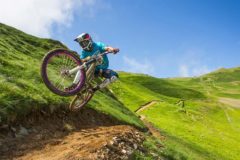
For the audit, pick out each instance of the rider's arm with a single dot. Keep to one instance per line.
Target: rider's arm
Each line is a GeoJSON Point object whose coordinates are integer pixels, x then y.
{"type": "Point", "coordinates": [111, 49]}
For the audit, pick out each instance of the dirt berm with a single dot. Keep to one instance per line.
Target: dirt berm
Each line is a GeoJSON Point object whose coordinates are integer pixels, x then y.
{"type": "Point", "coordinates": [85, 134]}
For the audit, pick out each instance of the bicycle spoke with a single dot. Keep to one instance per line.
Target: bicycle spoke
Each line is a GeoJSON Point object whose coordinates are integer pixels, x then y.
{"type": "Point", "coordinates": [60, 82]}
{"type": "Point", "coordinates": [66, 61]}
{"type": "Point", "coordinates": [57, 82]}
{"type": "Point", "coordinates": [69, 62]}
{"type": "Point", "coordinates": [72, 65]}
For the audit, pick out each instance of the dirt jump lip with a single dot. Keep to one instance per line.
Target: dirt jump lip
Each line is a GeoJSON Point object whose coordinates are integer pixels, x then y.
{"type": "Point", "coordinates": [62, 135]}
{"type": "Point", "coordinates": [40, 129]}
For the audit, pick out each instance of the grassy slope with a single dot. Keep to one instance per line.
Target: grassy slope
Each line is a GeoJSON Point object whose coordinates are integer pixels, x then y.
{"type": "Point", "coordinates": [207, 130]}
{"type": "Point", "coordinates": [21, 87]}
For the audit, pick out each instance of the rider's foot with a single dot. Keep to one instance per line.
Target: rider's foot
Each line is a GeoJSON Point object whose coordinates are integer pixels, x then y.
{"type": "Point", "coordinates": [73, 86]}
{"type": "Point", "coordinates": [107, 81]}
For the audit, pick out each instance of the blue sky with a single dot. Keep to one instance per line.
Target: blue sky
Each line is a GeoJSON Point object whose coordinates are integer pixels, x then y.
{"type": "Point", "coordinates": [163, 38]}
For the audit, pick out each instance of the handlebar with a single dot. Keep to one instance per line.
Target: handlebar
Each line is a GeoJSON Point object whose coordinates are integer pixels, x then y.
{"type": "Point", "coordinates": [94, 59]}
{"type": "Point", "coordinates": [104, 53]}
{"type": "Point", "coordinates": [84, 65]}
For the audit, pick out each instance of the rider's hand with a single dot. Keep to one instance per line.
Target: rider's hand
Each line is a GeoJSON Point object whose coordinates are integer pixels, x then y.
{"type": "Point", "coordinates": [115, 50]}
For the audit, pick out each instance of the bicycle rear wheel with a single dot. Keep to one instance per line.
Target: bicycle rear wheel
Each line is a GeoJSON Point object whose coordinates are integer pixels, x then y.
{"type": "Point", "coordinates": [80, 100]}
{"type": "Point", "coordinates": [54, 69]}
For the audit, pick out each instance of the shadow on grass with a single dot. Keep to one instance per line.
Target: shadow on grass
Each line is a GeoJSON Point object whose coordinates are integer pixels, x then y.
{"type": "Point", "coordinates": [166, 88]}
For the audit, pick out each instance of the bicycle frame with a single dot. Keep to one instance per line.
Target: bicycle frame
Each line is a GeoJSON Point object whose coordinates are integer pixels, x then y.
{"type": "Point", "coordinates": [90, 70]}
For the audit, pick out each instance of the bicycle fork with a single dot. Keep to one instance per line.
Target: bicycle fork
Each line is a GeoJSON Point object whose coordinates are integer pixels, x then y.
{"type": "Point", "coordinates": [89, 73]}
{"type": "Point", "coordinates": [77, 70]}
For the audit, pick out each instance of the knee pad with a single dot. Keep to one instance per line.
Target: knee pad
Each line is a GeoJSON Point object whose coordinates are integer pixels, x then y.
{"type": "Point", "coordinates": [113, 78]}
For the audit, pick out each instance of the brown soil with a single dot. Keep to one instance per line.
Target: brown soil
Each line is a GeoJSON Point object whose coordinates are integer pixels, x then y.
{"type": "Point", "coordinates": [82, 144]}
{"type": "Point", "coordinates": [59, 136]}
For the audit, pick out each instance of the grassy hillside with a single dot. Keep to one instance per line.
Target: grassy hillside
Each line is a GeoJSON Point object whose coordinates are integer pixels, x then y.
{"type": "Point", "coordinates": [21, 85]}
{"type": "Point", "coordinates": [22, 89]}
{"type": "Point", "coordinates": [205, 128]}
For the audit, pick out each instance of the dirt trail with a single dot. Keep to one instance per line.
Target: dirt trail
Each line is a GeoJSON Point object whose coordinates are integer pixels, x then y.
{"type": "Point", "coordinates": [145, 106]}
{"type": "Point", "coordinates": [153, 130]}
{"type": "Point", "coordinates": [230, 101]}
{"type": "Point", "coordinates": [60, 136]}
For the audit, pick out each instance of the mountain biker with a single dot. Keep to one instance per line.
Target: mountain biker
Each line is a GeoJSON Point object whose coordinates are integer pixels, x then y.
{"type": "Point", "coordinates": [91, 49]}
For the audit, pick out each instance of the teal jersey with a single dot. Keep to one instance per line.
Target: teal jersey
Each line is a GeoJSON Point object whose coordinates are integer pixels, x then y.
{"type": "Point", "coordinates": [97, 49]}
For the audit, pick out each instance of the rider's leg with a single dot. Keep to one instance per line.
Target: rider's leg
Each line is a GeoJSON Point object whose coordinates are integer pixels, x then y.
{"type": "Point", "coordinates": [110, 75]}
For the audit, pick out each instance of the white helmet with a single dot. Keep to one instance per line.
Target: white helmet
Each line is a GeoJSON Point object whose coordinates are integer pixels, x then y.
{"type": "Point", "coordinates": [85, 41]}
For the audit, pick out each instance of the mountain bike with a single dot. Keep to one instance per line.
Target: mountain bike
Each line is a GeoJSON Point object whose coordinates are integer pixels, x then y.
{"type": "Point", "coordinates": [61, 68]}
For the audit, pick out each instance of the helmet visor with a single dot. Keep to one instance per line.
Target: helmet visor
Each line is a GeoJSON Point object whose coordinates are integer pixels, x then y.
{"type": "Point", "coordinates": [84, 43]}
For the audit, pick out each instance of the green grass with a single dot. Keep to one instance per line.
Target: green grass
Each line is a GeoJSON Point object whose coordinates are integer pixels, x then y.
{"type": "Point", "coordinates": [110, 106]}
{"type": "Point", "coordinates": [204, 128]}
{"type": "Point", "coordinates": [205, 132]}
{"type": "Point", "coordinates": [21, 86]}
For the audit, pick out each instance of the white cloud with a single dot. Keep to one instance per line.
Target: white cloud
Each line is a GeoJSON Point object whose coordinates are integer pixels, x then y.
{"type": "Point", "coordinates": [200, 70]}
{"type": "Point", "coordinates": [38, 16]}
{"type": "Point", "coordinates": [132, 65]}
{"type": "Point", "coordinates": [193, 70]}
{"type": "Point", "coordinates": [193, 63]}
{"type": "Point", "coordinates": [184, 71]}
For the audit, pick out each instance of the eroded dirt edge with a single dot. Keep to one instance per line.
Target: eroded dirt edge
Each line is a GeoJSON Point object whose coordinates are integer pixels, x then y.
{"type": "Point", "coordinates": [86, 134]}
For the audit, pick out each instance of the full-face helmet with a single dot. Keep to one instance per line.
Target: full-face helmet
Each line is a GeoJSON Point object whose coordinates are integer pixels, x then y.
{"type": "Point", "coordinates": [85, 41]}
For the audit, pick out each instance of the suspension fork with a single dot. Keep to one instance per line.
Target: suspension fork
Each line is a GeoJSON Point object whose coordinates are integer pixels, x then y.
{"type": "Point", "coordinates": [77, 69]}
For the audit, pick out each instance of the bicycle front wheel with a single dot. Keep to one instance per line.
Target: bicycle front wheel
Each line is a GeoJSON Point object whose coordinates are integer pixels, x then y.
{"type": "Point", "coordinates": [54, 69]}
